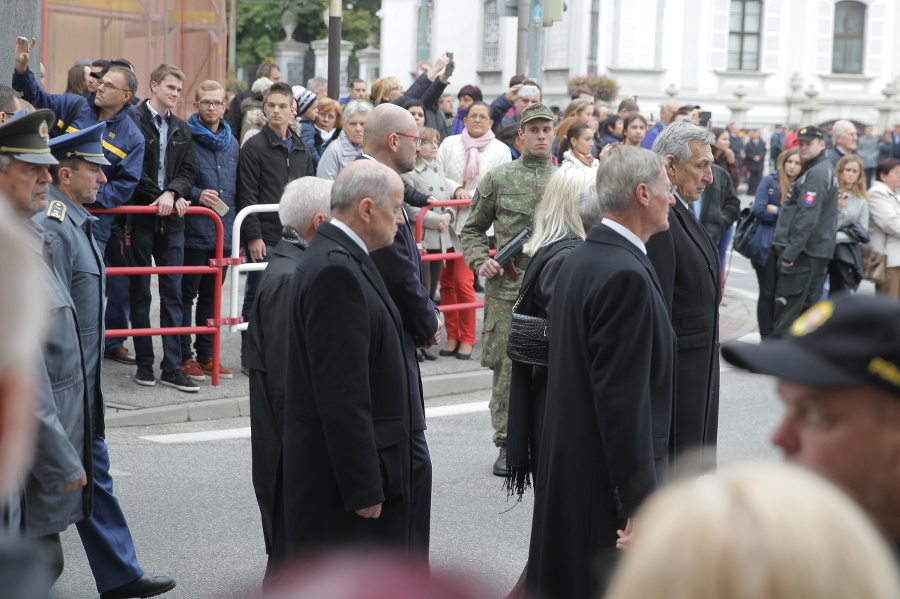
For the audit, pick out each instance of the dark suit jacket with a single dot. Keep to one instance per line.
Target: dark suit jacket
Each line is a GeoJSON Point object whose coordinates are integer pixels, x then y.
{"type": "Point", "coordinates": [687, 263]}
{"type": "Point", "coordinates": [755, 147]}
{"type": "Point", "coordinates": [347, 428]}
{"type": "Point", "coordinates": [605, 439]}
{"type": "Point", "coordinates": [266, 347]}
{"type": "Point", "coordinates": [400, 267]}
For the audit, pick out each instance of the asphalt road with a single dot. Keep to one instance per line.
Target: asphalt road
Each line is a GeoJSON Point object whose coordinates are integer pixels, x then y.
{"type": "Point", "coordinates": [193, 514]}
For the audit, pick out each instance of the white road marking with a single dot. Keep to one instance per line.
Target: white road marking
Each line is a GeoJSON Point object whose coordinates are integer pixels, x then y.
{"type": "Point", "coordinates": [244, 432]}
{"type": "Point", "coordinates": [754, 295]}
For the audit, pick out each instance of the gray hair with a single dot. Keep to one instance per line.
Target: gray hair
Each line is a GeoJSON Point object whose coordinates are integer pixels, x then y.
{"type": "Point", "coordinates": [355, 107]}
{"type": "Point", "coordinates": [9, 99]}
{"type": "Point", "coordinates": [317, 84]}
{"type": "Point", "coordinates": [302, 199]}
{"type": "Point", "coordinates": [589, 207]}
{"type": "Point", "coordinates": [619, 174]}
{"type": "Point", "coordinates": [676, 140]}
{"type": "Point", "coordinates": [842, 127]}
{"type": "Point", "coordinates": [5, 161]}
{"type": "Point", "coordinates": [362, 179]}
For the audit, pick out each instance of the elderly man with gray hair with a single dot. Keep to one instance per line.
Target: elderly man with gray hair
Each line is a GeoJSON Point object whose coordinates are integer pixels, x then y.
{"type": "Point", "coordinates": [845, 138]}
{"type": "Point", "coordinates": [612, 356]}
{"type": "Point", "coordinates": [304, 205]}
{"type": "Point", "coordinates": [687, 263]}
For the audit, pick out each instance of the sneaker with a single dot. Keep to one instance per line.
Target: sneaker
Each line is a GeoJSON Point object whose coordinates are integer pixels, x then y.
{"type": "Point", "coordinates": [121, 355]}
{"type": "Point", "coordinates": [144, 376]}
{"type": "Point", "coordinates": [179, 381]}
{"type": "Point", "coordinates": [191, 369]}
{"type": "Point", "coordinates": [207, 366]}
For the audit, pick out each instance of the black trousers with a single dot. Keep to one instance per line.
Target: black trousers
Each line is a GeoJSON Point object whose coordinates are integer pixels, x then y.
{"type": "Point", "coordinates": [420, 504]}
{"type": "Point", "coordinates": [799, 287]}
{"type": "Point", "coordinates": [767, 277]}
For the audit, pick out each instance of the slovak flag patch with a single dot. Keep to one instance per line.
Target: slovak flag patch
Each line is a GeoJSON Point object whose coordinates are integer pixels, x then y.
{"type": "Point", "coordinates": [810, 198]}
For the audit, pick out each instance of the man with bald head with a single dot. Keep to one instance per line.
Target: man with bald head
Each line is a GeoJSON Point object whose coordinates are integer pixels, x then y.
{"type": "Point", "coordinates": [392, 138]}
{"type": "Point", "coordinates": [347, 408]}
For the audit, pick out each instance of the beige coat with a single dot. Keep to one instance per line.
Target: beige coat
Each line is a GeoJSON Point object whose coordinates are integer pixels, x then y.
{"type": "Point", "coordinates": [430, 180]}
{"type": "Point", "coordinates": [884, 222]}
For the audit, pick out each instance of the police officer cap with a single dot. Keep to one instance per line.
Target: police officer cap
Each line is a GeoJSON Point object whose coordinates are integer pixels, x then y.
{"type": "Point", "coordinates": [844, 341]}
{"type": "Point", "coordinates": [26, 136]}
{"type": "Point", "coordinates": [80, 144]}
{"type": "Point", "coordinates": [536, 111]}
{"type": "Point", "coordinates": [810, 133]}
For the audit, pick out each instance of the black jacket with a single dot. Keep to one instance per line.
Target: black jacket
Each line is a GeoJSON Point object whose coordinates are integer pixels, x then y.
{"type": "Point", "coordinates": [807, 223]}
{"type": "Point", "coordinates": [264, 168]}
{"type": "Point", "coordinates": [179, 170]}
{"type": "Point", "coordinates": [720, 206]}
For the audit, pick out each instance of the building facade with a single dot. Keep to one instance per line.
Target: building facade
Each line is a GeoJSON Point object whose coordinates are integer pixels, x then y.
{"type": "Point", "coordinates": [762, 61]}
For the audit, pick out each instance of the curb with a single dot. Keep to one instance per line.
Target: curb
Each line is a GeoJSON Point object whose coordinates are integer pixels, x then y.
{"type": "Point", "coordinates": [234, 407]}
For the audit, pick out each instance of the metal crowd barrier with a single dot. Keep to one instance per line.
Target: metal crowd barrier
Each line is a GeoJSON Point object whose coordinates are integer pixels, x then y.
{"type": "Point", "coordinates": [239, 264]}
{"type": "Point", "coordinates": [215, 267]}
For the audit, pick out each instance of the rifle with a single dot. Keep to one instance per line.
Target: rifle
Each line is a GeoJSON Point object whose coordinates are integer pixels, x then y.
{"type": "Point", "coordinates": [511, 250]}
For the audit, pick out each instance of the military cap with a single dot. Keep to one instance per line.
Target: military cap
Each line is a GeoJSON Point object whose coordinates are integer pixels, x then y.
{"type": "Point", "coordinates": [843, 341]}
{"type": "Point", "coordinates": [810, 133]}
{"type": "Point", "coordinates": [80, 144]}
{"type": "Point", "coordinates": [26, 136]}
{"type": "Point", "coordinates": [536, 111]}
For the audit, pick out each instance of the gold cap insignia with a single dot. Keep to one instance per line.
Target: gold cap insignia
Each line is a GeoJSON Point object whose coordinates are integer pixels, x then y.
{"type": "Point", "coordinates": [812, 319]}
{"type": "Point", "coordinates": [44, 131]}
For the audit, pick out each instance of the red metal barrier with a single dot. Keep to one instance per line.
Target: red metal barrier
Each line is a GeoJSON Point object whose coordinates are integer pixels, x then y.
{"type": "Point", "coordinates": [426, 257]}
{"type": "Point", "coordinates": [215, 267]}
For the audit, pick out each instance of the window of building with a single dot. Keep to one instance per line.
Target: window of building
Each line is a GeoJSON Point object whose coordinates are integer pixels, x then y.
{"type": "Point", "coordinates": [744, 26]}
{"type": "Point", "coordinates": [849, 36]}
{"type": "Point", "coordinates": [491, 42]}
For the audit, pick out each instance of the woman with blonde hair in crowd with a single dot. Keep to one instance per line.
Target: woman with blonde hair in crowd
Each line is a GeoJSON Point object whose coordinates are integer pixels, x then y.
{"type": "Point", "coordinates": [328, 123]}
{"type": "Point", "coordinates": [770, 195]}
{"type": "Point", "coordinates": [845, 269]}
{"type": "Point", "coordinates": [754, 532]}
{"type": "Point", "coordinates": [580, 109]}
{"type": "Point", "coordinates": [884, 223]}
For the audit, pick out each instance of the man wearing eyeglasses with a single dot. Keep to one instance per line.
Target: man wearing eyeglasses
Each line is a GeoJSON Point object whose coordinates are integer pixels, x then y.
{"type": "Point", "coordinates": [123, 148]}
{"type": "Point", "coordinates": [215, 184]}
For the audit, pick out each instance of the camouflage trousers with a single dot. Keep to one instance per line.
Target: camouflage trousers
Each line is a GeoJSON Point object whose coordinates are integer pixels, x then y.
{"type": "Point", "coordinates": [497, 318]}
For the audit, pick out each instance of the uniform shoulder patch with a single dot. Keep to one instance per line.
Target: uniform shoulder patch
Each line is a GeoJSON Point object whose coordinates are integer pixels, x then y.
{"type": "Point", "coordinates": [57, 211]}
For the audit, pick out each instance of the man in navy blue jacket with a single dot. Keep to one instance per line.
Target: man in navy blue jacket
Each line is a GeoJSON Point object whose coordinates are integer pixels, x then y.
{"type": "Point", "coordinates": [215, 181]}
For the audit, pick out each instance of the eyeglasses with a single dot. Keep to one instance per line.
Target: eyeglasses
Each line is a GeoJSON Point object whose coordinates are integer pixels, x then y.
{"type": "Point", "coordinates": [108, 85]}
{"type": "Point", "coordinates": [418, 139]}
{"type": "Point", "coordinates": [478, 117]}
{"type": "Point", "coordinates": [672, 189]}
{"type": "Point", "coordinates": [208, 104]}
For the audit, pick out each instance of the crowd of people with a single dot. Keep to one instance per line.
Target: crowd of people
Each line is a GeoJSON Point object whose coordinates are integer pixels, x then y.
{"type": "Point", "coordinates": [600, 324]}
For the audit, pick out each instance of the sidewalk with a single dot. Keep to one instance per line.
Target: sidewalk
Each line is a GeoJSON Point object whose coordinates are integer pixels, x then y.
{"type": "Point", "coordinates": [129, 404]}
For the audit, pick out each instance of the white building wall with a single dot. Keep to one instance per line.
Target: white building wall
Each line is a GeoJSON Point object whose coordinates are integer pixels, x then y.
{"type": "Point", "coordinates": [651, 45]}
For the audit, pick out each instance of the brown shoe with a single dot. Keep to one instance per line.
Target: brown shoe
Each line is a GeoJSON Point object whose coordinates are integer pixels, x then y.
{"type": "Point", "coordinates": [206, 367]}
{"type": "Point", "coordinates": [191, 369]}
{"type": "Point", "coordinates": [121, 355]}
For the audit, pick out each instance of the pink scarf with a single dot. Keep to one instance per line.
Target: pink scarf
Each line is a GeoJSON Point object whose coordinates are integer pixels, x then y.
{"type": "Point", "coordinates": [473, 144]}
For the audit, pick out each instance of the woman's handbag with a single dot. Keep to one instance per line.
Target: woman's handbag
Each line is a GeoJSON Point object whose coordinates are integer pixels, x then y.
{"type": "Point", "coordinates": [874, 264]}
{"type": "Point", "coordinates": [529, 338]}
{"type": "Point", "coordinates": [744, 232]}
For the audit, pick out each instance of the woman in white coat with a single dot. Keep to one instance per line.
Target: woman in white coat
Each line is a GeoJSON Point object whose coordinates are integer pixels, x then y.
{"type": "Point", "coordinates": [884, 223]}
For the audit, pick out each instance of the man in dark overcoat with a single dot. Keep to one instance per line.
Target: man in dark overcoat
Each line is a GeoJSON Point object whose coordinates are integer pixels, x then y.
{"type": "Point", "coordinates": [304, 205]}
{"type": "Point", "coordinates": [347, 434]}
{"type": "Point", "coordinates": [687, 263]}
{"type": "Point", "coordinates": [612, 350]}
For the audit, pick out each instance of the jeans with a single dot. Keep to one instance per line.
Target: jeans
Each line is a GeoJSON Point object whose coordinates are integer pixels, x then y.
{"type": "Point", "coordinates": [117, 308]}
{"type": "Point", "coordinates": [167, 249]}
{"type": "Point", "coordinates": [202, 287]}
{"type": "Point", "coordinates": [253, 277]}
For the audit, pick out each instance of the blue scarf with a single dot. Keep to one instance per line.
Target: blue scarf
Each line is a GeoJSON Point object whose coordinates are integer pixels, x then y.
{"type": "Point", "coordinates": [214, 141]}
{"type": "Point", "coordinates": [459, 124]}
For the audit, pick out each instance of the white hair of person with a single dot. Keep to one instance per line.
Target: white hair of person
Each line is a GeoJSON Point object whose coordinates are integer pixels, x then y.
{"type": "Point", "coordinates": [842, 127]}
{"type": "Point", "coordinates": [302, 199]}
{"type": "Point", "coordinates": [619, 174]}
{"type": "Point", "coordinates": [353, 107]}
{"type": "Point", "coordinates": [757, 531]}
{"type": "Point", "coordinates": [367, 179]}
{"type": "Point", "coordinates": [556, 216]}
{"type": "Point", "coordinates": [589, 207]}
{"type": "Point", "coordinates": [676, 140]}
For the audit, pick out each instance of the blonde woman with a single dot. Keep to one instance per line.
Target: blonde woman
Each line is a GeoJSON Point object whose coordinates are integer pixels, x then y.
{"type": "Point", "coordinates": [755, 532]}
{"type": "Point", "coordinates": [845, 270]}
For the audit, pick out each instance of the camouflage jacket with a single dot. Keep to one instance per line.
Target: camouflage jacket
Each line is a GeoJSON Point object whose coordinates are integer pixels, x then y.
{"type": "Point", "coordinates": [506, 198]}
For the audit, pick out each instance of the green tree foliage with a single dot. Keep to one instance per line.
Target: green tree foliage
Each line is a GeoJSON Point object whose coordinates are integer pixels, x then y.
{"type": "Point", "coordinates": [259, 24]}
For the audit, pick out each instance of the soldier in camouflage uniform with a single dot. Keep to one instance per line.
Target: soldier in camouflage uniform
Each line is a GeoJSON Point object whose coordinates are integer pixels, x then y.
{"type": "Point", "coordinates": [506, 198]}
